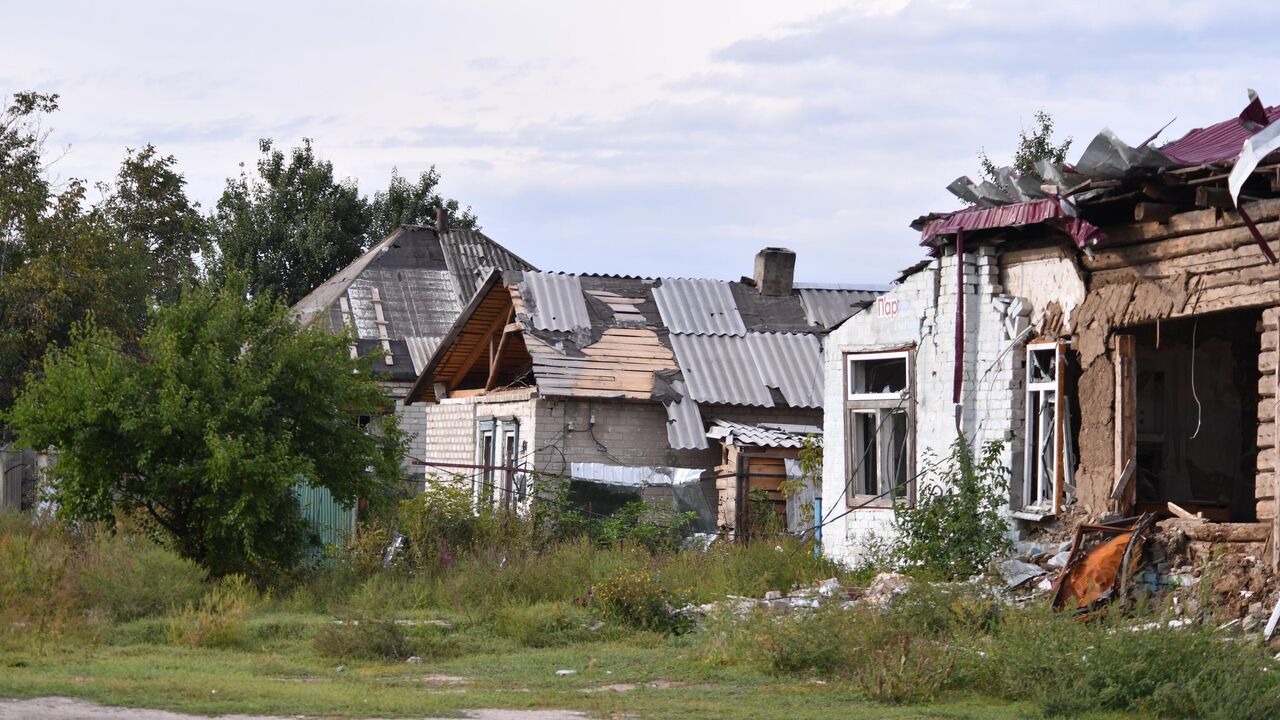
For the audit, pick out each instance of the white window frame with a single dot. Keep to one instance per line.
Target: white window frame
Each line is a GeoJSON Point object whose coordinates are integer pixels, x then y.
{"type": "Point", "coordinates": [497, 488]}
{"type": "Point", "coordinates": [1035, 395]}
{"type": "Point", "coordinates": [881, 406]}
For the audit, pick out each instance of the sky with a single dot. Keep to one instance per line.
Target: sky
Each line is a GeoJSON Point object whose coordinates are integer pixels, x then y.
{"type": "Point", "coordinates": [659, 138]}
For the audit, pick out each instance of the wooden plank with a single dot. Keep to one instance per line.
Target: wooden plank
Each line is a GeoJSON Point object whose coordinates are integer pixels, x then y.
{"type": "Point", "coordinates": [1153, 211]}
{"type": "Point", "coordinates": [1211, 197]}
{"type": "Point", "coordinates": [1178, 511]}
{"type": "Point", "coordinates": [1124, 350]}
{"type": "Point", "coordinates": [497, 355]}
{"type": "Point", "coordinates": [469, 361]}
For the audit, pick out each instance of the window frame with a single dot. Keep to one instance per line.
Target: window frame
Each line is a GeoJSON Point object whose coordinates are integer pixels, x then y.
{"type": "Point", "coordinates": [497, 488]}
{"type": "Point", "coordinates": [882, 406]}
{"type": "Point", "coordinates": [1033, 499]}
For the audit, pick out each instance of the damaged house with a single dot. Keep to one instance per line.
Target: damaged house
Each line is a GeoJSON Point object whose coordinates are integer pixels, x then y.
{"type": "Point", "coordinates": [401, 297]}
{"type": "Point", "coordinates": [692, 390]}
{"type": "Point", "coordinates": [1113, 323]}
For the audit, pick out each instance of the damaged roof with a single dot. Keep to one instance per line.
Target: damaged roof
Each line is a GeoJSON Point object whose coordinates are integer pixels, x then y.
{"type": "Point", "coordinates": [767, 435]}
{"type": "Point", "coordinates": [679, 341]}
{"type": "Point", "coordinates": [1110, 179]}
{"type": "Point", "coordinates": [403, 295]}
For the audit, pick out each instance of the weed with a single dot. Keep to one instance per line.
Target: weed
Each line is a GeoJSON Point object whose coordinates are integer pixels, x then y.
{"type": "Point", "coordinates": [219, 619]}
{"type": "Point", "coordinates": [635, 598]}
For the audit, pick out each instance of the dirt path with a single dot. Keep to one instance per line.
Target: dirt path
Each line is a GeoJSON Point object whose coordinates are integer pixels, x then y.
{"type": "Point", "coordinates": [58, 708]}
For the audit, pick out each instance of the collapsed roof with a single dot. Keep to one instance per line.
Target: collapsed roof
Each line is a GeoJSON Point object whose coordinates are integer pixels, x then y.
{"type": "Point", "coordinates": [404, 294]}
{"type": "Point", "coordinates": [1114, 182]}
{"type": "Point", "coordinates": [678, 341]}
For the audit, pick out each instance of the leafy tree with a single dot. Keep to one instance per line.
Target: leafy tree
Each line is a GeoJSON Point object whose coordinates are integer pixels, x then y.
{"type": "Point", "coordinates": [414, 203]}
{"type": "Point", "coordinates": [148, 205]}
{"type": "Point", "coordinates": [291, 226]}
{"type": "Point", "coordinates": [226, 408]}
{"type": "Point", "coordinates": [58, 263]}
{"type": "Point", "coordinates": [1032, 147]}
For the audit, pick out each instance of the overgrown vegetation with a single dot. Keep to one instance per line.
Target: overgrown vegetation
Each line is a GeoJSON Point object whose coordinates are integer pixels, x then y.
{"type": "Point", "coordinates": [508, 614]}
{"type": "Point", "coordinates": [956, 526]}
{"type": "Point", "coordinates": [1033, 146]}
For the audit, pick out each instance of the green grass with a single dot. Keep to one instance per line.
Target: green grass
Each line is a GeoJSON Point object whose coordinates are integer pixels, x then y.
{"type": "Point", "coordinates": [277, 671]}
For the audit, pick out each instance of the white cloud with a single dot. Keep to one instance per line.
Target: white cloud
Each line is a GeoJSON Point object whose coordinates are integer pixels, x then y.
{"type": "Point", "coordinates": [663, 137]}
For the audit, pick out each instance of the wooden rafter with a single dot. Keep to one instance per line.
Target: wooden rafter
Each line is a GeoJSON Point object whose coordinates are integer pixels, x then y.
{"type": "Point", "coordinates": [499, 322]}
{"type": "Point", "coordinates": [496, 358]}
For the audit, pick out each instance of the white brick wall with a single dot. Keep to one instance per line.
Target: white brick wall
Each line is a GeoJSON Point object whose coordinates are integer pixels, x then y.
{"type": "Point", "coordinates": [925, 320]}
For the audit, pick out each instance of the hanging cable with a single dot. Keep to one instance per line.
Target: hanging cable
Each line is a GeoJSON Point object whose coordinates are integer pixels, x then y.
{"type": "Point", "coordinates": [1194, 394]}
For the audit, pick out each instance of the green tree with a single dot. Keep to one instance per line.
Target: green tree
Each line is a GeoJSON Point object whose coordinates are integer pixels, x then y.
{"type": "Point", "coordinates": [414, 203]}
{"type": "Point", "coordinates": [291, 226]}
{"type": "Point", "coordinates": [147, 204]}
{"type": "Point", "coordinates": [58, 263]}
{"type": "Point", "coordinates": [1032, 147]}
{"type": "Point", "coordinates": [227, 406]}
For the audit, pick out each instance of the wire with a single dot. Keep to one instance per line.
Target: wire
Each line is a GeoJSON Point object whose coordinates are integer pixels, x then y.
{"type": "Point", "coordinates": [1194, 394]}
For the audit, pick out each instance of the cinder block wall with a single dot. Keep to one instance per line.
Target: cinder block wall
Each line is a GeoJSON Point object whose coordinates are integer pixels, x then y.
{"type": "Point", "coordinates": [925, 320]}
{"type": "Point", "coordinates": [450, 433]}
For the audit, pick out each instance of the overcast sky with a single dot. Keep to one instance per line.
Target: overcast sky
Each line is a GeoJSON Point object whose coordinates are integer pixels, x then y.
{"type": "Point", "coordinates": [654, 138]}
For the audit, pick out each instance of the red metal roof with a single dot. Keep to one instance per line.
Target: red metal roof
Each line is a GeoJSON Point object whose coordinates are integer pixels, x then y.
{"type": "Point", "coordinates": [1218, 143]}
{"type": "Point", "coordinates": [1047, 211]}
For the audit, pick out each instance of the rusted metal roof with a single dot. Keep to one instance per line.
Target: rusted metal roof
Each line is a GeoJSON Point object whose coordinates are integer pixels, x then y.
{"type": "Point", "coordinates": [554, 301]}
{"type": "Point", "coordinates": [763, 435]}
{"type": "Point", "coordinates": [1024, 213]}
{"type": "Point", "coordinates": [698, 306]}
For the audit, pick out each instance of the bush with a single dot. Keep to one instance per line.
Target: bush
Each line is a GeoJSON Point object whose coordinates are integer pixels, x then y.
{"type": "Point", "coordinates": [956, 527]}
{"type": "Point", "coordinates": [633, 597]}
{"type": "Point", "coordinates": [649, 525]}
{"type": "Point", "coordinates": [544, 624]}
{"type": "Point", "coordinates": [441, 523]}
{"type": "Point", "coordinates": [132, 577]}
{"type": "Point", "coordinates": [219, 619]}
{"type": "Point", "coordinates": [363, 638]}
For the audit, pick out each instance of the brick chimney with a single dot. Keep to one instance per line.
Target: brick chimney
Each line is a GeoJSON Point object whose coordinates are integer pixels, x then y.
{"type": "Point", "coordinates": [442, 219]}
{"type": "Point", "coordinates": [775, 271]}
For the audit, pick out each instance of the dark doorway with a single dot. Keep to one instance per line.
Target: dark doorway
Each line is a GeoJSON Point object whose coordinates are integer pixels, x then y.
{"type": "Point", "coordinates": [1197, 415]}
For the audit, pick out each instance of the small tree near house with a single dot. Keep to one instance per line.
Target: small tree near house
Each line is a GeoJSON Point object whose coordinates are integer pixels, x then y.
{"type": "Point", "coordinates": [208, 428]}
{"type": "Point", "coordinates": [1033, 146]}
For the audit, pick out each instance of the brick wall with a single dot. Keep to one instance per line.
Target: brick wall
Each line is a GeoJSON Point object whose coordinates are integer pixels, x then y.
{"type": "Point", "coordinates": [450, 435]}
{"type": "Point", "coordinates": [925, 319]}
{"type": "Point", "coordinates": [1265, 481]}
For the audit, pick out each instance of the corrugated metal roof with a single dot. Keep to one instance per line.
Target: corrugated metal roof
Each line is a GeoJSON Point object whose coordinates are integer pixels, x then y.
{"type": "Point", "coordinates": [731, 370]}
{"type": "Point", "coordinates": [828, 307]}
{"type": "Point", "coordinates": [420, 350]}
{"type": "Point", "coordinates": [1217, 143]}
{"type": "Point", "coordinates": [698, 306]}
{"type": "Point", "coordinates": [719, 369]}
{"type": "Point", "coordinates": [555, 301]}
{"type": "Point", "coordinates": [760, 435]}
{"type": "Point", "coordinates": [470, 255]}
{"type": "Point", "coordinates": [790, 362]}
{"type": "Point", "coordinates": [684, 421]}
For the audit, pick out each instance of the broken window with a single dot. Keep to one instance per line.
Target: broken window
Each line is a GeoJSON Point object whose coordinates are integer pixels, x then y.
{"type": "Point", "coordinates": [498, 480]}
{"type": "Point", "coordinates": [879, 429]}
{"type": "Point", "coordinates": [1042, 442]}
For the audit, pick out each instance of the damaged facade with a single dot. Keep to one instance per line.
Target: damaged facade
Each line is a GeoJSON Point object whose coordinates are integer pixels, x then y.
{"type": "Point", "coordinates": [400, 299]}
{"type": "Point", "coordinates": [1115, 325]}
{"type": "Point", "coordinates": [612, 382]}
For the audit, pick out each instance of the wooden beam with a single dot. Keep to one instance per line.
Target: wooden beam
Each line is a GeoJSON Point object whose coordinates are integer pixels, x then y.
{"type": "Point", "coordinates": [1211, 197]}
{"type": "Point", "coordinates": [498, 323]}
{"type": "Point", "coordinates": [497, 356]}
{"type": "Point", "coordinates": [1153, 212]}
{"type": "Point", "coordinates": [1182, 513]}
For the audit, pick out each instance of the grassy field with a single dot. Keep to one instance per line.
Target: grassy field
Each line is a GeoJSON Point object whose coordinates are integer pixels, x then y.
{"type": "Point", "coordinates": [111, 616]}
{"type": "Point", "coordinates": [276, 670]}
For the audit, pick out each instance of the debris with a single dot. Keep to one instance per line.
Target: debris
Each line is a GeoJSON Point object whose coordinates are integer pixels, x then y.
{"type": "Point", "coordinates": [1184, 514]}
{"type": "Point", "coordinates": [341, 669]}
{"type": "Point", "coordinates": [885, 586]}
{"type": "Point", "coordinates": [1059, 560]}
{"type": "Point", "coordinates": [1271, 623]}
{"type": "Point", "coordinates": [414, 660]}
{"type": "Point", "coordinates": [773, 595]}
{"type": "Point", "coordinates": [829, 587]}
{"type": "Point", "coordinates": [1103, 558]}
{"type": "Point", "coordinates": [566, 673]}
{"type": "Point", "coordinates": [1017, 572]}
